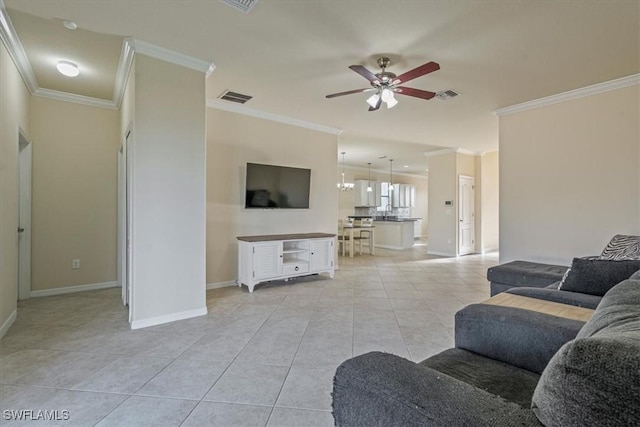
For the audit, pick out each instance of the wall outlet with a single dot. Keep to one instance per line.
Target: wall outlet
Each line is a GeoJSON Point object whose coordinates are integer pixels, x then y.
{"type": "Point", "coordinates": [75, 264]}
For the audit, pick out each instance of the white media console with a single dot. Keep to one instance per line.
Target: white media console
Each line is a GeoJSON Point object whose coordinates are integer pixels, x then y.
{"type": "Point", "coordinates": [282, 256]}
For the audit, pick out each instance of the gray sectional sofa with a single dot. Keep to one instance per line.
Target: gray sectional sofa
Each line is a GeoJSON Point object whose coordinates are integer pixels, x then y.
{"type": "Point", "coordinates": [554, 346]}
{"type": "Point", "coordinates": [510, 366]}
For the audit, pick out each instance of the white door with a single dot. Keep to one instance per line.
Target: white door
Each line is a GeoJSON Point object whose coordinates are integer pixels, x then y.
{"type": "Point", "coordinates": [24, 217]}
{"type": "Point", "coordinates": [466, 215]}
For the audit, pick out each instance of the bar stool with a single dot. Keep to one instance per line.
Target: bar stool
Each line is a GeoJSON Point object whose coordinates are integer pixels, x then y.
{"type": "Point", "coordinates": [364, 234]}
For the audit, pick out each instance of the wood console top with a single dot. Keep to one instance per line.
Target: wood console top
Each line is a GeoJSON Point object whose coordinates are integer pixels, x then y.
{"type": "Point", "coordinates": [541, 306]}
{"type": "Point", "coordinates": [298, 236]}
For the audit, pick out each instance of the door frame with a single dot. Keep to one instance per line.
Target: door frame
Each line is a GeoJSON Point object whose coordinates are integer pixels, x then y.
{"type": "Point", "coordinates": [24, 175]}
{"type": "Point", "coordinates": [466, 250]}
{"type": "Point", "coordinates": [124, 219]}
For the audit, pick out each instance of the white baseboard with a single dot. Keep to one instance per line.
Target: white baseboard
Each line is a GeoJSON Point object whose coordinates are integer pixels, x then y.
{"type": "Point", "coordinates": [71, 289]}
{"type": "Point", "coordinates": [159, 320]}
{"type": "Point", "coordinates": [489, 251]}
{"type": "Point", "coordinates": [218, 285]}
{"type": "Point", "coordinates": [7, 323]}
{"type": "Point", "coordinates": [395, 248]}
{"type": "Point", "coordinates": [440, 253]}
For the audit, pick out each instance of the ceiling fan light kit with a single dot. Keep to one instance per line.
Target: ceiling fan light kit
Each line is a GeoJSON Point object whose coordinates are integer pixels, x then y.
{"type": "Point", "coordinates": [386, 84]}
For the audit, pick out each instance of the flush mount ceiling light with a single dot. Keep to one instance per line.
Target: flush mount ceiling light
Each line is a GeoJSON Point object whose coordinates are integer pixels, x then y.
{"type": "Point", "coordinates": [67, 68]}
{"type": "Point", "coordinates": [69, 25]}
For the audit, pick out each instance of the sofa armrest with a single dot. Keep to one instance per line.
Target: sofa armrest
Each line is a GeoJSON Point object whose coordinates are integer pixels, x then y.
{"type": "Point", "coordinates": [522, 338]}
{"type": "Point", "coordinates": [380, 389]}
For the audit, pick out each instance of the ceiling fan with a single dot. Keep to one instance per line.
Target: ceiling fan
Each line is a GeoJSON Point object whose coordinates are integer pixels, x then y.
{"type": "Point", "coordinates": [385, 84]}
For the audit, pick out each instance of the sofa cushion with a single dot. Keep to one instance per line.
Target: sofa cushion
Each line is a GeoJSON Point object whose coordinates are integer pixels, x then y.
{"type": "Point", "coordinates": [379, 389]}
{"type": "Point", "coordinates": [622, 247]}
{"type": "Point", "coordinates": [597, 276]}
{"type": "Point", "coordinates": [522, 338]}
{"type": "Point", "coordinates": [525, 273]}
{"type": "Point", "coordinates": [595, 379]}
{"type": "Point", "coordinates": [619, 311]}
{"type": "Point", "coordinates": [498, 378]}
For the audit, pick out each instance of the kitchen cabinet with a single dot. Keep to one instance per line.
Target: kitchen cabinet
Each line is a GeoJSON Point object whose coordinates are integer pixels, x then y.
{"type": "Point", "coordinates": [403, 195]}
{"type": "Point", "coordinates": [274, 257]}
{"type": "Point", "coordinates": [417, 229]}
{"type": "Point", "coordinates": [364, 198]}
{"type": "Point", "coordinates": [396, 235]}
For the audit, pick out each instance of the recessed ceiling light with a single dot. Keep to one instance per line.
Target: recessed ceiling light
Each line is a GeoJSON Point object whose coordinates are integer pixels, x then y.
{"type": "Point", "coordinates": [67, 68]}
{"type": "Point", "coordinates": [406, 166]}
{"type": "Point", "coordinates": [70, 25]}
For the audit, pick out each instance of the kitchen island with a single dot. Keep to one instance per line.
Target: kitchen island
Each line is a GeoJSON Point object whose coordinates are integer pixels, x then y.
{"type": "Point", "coordinates": [395, 233]}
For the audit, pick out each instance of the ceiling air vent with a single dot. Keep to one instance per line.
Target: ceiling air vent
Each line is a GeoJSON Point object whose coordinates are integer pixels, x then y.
{"type": "Point", "coordinates": [234, 97]}
{"type": "Point", "coordinates": [242, 5]}
{"type": "Point", "coordinates": [447, 94]}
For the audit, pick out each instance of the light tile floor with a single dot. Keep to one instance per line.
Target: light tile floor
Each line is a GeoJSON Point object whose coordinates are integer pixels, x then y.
{"type": "Point", "coordinates": [265, 358]}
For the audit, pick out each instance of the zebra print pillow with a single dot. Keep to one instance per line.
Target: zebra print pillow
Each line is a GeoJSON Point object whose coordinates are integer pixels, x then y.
{"type": "Point", "coordinates": [622, 247]}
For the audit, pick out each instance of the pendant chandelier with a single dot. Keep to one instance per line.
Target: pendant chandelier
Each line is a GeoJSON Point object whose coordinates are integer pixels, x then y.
{"type": "Point", "coordinates": [342, 186]}
{"type": "Point", "coordinates": [369, 189]}
{"type": "Point", "coordinates": [391, 174]}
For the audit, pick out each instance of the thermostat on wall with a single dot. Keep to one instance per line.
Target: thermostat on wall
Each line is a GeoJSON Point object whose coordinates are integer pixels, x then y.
{"type": "Point", "coordinates": [448, 202]}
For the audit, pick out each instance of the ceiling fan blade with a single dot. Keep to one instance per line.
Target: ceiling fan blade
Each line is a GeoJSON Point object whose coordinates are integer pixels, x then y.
{"type": "Point", "coordinates": [427, 68]}
{"type": "Point", "coordinates": [377, 105]}
{"type": "Point", "coordinates": [365, 73]}
{"type": "Point", "coordinates": [414, 92]}
{"type": "Point", "coordinates": [349, 92]}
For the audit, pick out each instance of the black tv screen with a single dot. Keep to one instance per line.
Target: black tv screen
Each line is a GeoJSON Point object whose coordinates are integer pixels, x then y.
{"type": "Point", "coordinates": [269, 186]}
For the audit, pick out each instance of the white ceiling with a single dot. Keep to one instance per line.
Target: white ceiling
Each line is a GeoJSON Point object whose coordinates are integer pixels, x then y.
{"type": "Point", "coordinates": [289, 54]}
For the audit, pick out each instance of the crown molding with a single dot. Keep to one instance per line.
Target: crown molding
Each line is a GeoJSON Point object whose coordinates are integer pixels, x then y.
{"type": "Point", "coordinates": [130, 46]}
{"type": "Point", "coordinates": [173, 57]}
{"type": "Point", "coordinates": [241, 109]}
{"type": "Point", "coordinates": [72, 97]}
{"type": "Point", "coordinates": [124, 68]}
{"type": "Point", "coordinates": [453, 150]}
{"type": "Point", "coordinates": [10, 39]}
{"type": "Point", "coordinates": [570, 95]}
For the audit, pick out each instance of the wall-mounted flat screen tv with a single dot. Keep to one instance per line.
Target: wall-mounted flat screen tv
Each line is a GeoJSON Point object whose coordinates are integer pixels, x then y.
{"type": "Point", "coordinates": [277, 187]}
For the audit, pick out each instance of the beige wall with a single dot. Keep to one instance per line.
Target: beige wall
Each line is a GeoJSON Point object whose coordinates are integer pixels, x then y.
{"type": "Point", "coordinates": [74, 193]}
{"type": "Point", "coordinates": [444, 172]}
{"type": "Point", "coordinates": [443, 184]}
{"type": "Point", "coordinates": [232, 141]}
{"type": "Point", "coordinates": [490, 196]}
{"type": "Point", "coordinates": [168, 185]}
{"type": "Point", "coordinates": [569, 177]}
{"type": "Point", "coordinates": [14, 113]}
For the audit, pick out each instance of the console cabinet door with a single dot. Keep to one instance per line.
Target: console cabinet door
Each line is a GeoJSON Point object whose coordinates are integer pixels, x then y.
{"type": "Point", "coordinates": [267, 260]}
{"type": "Point", "coordinates": [321, 254]}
